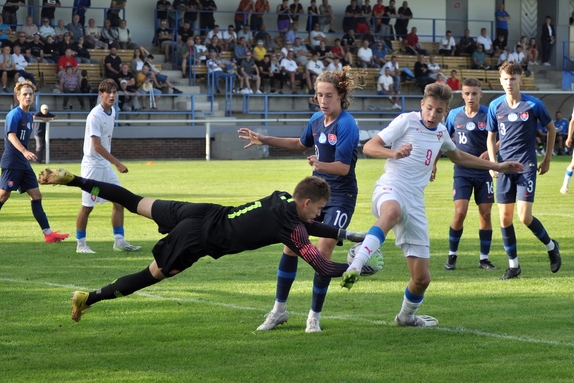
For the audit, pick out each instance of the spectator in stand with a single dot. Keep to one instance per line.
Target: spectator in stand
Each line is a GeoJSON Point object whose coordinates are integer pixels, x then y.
{"type": "Point", "coordinates": [164, 39]}
{"type": "Point", "coordinates": [327, 18]}
{"type": "Point", "coordinates": [183, 33]}
{"type": "Point", "coordinates": [379, 53]}
{"type": "Point", "coordinates": [5, 31]}
{"type": "Point", "coordinates": [7, 68]}
{"type": "Point", "coordinates": [59, 31]}
{"type": "Point", "coordinates": [335, 65]}
{"type": "Point", "coordinates": [229, 38]}
{"type": "Point", "coordinates": [161, 9]}
{"type": "Point", "coordinates": [369, 36]}
{"type": "Point", "coordinates": [21, 41]}
{"type": "Point", "coordinates": [127, 98]}
{"type": "Point", "coordinates": [506, 56]}
{"type": "Point", "coordinates": [249, 71]}
{"type": "Point", "coordinates": [522, 59]}
{"type": "Point", "coordinates": [259, 52]}
{"type": "Point", "coordinates": [77, 30]}
{"type": "Point", "coordinates": [215, 69]}
{"type": "Point", "coordinates": [268, 42]}
{"type": "Point", "coordinates": [533, 51]}
{"type": "Point", "coordinates": [316, 36]}
{"type": "Point", "coordinates": [285, 50]}
{"type": "Point", "coordinates": [206, 19]}
{"type": "Point", "coordinates": [352, 13]}
{"type": "Point", "coordinates": [422, 73]}
{"type": "Point", "coordinates": [466, 45]}
{"type": "Point", "coordinates": [365, 57]}
{"type": "Point", "coordinates": [40, 119]}
{"type": "Point", "coordinates": [214, 32]}
{"type": "Point", "coordinates": [160, 78]}
{"type": "Point", "coordinates": [296, 9]}
{"type": "Point", "coordinates": [66, 43]}
{"type": "Point", "coordinates": [300, 52]}
{"type": "Point", "coordinates": [215, 46]}
{"type": "Point", "coordinates": [547, 39]}
{"type": "Point", "coordinates": [349, 41]}
{"type": "Point", "coordinates": [240, 50]}
{"type": "Point", "coordinates": [51, 53]}
{"type": "Point", "coordinates": [146, 84]}
{"type": "Point", "coordinates": [46, 29]}
{"type": "Point", "coordinates": [385, 87]}
{"type": "Point", "coordinates": [498, 46]}
{"type": "Point", "coordinates": [340, 52]}
{"type": "Point", "coordinates": [314, 68]}
{"type": "Point", "coordinates": [246, 33]}
{"type": "Point", "coordinates": [501, 22]}
{"type": "Point", "coordinates": [177, 12]}
{"type": "Point", "coordinates": [561, 125]}
{"type": "Point", "coordinates": [433, 67]}
{"type": "Point", "coordinates": [485, 41]}
{"type": "Point", "coordinates": [114, 11]}
{"type": "Point", "coordinates": [189, 56]}
{"type": "Point", "coordinates": [404, 14]}
{"type": "Point", "coordinates": [266, 73]}
{"type": "Point", "coordinates": [125, 37]}
{"type": "Point", "coordinates": [290, 72]}
{"type": "Point", "coordinates": [386, 28]}
{"type": "Point", "coordinates": [243, 12]}
{"type": "Point", "coordinates": [128, 76]}
{"type": "Point", "coordinates": [324, 53]}
{"type": "Point", "coordinates": [48, 9]}
{"type": "Point", "coordinates": [365, 20]}
{"type": "Point", "coordinates": [109, 35]}
{"type": "Point", "coordinates": [80, 7]}
{"type": "Point", "coordinates": [21, 64]}
{"type": "Point", "coordinates": [291, 34]}
{"type": "Point", "coordinates": [452, 81]}
{"type": "Point", "coordinates": [138, 60]}
{"type": "Point", "coordinates": [66, 60]}
{"type": "Point", "coordinates": [479, 58]}
{"type": "Point", "coordinates": [82, 53]}
{"type": "Point", "coordinates": [283, 17]}
{"type": "Point", "coordinates": [440, 79]}
{"type": "Point", "coordinates": [9, 12]}
{"type": "Point", "coordinates": [70, 83]}
{"type": "Point", "coordinates": [411, 43]}
{"type": "Point", "coordinates": [29, 29]}
{"type": "Point", "coordinates": [37, 49]}
{"type": "Point", "coordinates": [112, 63]}
{"type": "Point", "coordinates": [260, 8]}
{"type": "Point", "coordinates": [201, 49]}
{"type": "Point", "coordinates": [92, 33]}
{"type": "Point", "coordinates": [447, 45]}
{"type": "Point", "coordinates": [378, 13]}
{"type": "Point", "coordinates": [313, 18]}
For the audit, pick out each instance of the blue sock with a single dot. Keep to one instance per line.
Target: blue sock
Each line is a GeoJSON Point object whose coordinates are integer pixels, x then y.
{"type": "Point", "coordinates": [285, 276]}
{"type": "Point", "coordinates": [539, 231]}
{"type": "Point", "coordinates": [485, 241]}
{"type": "Point", "coordinates": [80, 234]}
{"type": "Point", "coordinates": [39, 214]}
{"type": "Point", "coordinates": [320, 287]}
{"type": "Point", "coordinates": [509, 241]}
{"type": "Point", "coordinates": [454, 239]}
{"type": "Point", "coordinates": [412, 297]}
{"type": "Point", "coordinates": [118, 230]}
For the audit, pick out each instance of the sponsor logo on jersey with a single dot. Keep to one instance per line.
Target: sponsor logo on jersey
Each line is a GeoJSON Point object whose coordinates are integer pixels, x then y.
{"type": "Point", "coordinates": [459, 126]}
{"type": "Point", "coordinates": [470, 125]}
{"type": "Point", "coordinates": [322, 138]}
{"type": "Point", "coordinates": [512, 117]}
{"type": "Point", "coordinates": [524, 116]}
{"type": "Point", "coordinates": [481, 125]}
{"type": "Point", "coordinates": [500, 117]}
{"type": "Point", "coordinates": [332, 138]}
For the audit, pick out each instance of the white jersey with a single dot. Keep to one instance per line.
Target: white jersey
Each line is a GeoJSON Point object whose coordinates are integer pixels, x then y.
{"type": "Point", "coordinates": [411, 174]}
{"type": "Point", "coordinates": [98, 124]}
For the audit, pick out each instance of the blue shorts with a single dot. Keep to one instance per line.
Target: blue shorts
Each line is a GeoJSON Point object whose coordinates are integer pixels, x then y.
{"type": "Point", "coordinates": [160, 77]}
{"type": "Point", "coordinates": [509, 186]}
{"type": "Point", "coordinates": [338, 212]}
{"type": "Point", "coordinates": [18, 179]}
{"type": "Point", "coordinates": [483, 189]}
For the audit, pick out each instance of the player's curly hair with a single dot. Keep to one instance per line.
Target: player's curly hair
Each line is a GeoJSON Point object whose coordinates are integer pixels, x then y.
{"type": "Point", "coordinates": [344, 81]}
{"type": "Point", "coordinates": [438, 92]}
{"type": "Point", "coordinates": [313, 188]}
{"type": "Point", "coordinates": [510, 68]}
{"type": "Point", "coordinates": [19, 85]}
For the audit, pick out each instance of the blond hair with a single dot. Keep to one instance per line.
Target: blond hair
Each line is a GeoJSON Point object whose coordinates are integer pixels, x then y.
{"type": "Point", "coordinates": [21, 84]}
{"type": "Point", "coordinates": [438, 92]}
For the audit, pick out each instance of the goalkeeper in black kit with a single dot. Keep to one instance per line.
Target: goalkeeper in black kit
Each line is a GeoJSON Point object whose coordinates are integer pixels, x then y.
{"type": "Point", "coordinates": [195, 230]}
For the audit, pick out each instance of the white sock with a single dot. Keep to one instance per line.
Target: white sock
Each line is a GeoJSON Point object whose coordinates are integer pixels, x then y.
{"type": "Point", "coordinates": [47, 231]}
{"type": "Point", "coordinates": [513, 263]}
{"type": "Point", "coordinates": [279, 307]}
{"type": "Point", "coordinates": [370, 244]}
{"type": "Point", "coordinates": [81, 242]}
{"type": "Point", "coordinates": [566, 180]}
{"type": "Point", "coordinates": [483, 256]}
{"type": "Point", "coordinates": [314, 315]}
{"type": "Point", "coordinates": [118, 238]}
{"type": "Point", "coordinates": [408, 309]}
{"type": "Point", "coordinates": [550, 246]}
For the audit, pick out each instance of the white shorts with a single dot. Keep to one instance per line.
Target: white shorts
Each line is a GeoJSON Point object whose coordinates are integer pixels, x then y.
{"type": "Point", "coordinates": [412, 229]}
{"type": "Point", "coordinates": [106, 174]}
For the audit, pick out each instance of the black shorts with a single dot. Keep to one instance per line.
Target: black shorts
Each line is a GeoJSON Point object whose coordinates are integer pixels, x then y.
{"type": "Point", "coordinates": [183, 245]}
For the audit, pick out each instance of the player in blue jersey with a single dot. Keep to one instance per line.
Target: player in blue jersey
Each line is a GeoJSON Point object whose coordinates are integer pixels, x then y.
{"type": "Point", "coordinates": [333, 134]}
{"type": "Point", "coordinates": [17, 173]}
{"type": "Point", "coordinates": [513, 117]}
{"type": "Point", "coordinates": [467, 124]}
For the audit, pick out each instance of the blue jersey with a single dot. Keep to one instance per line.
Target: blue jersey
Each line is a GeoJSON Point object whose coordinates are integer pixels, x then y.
{"type": "Point", "coordinates": [336, 142]}
{"type": "Point", "coordinates": [561, 126]}
{"type": "Point", "coordinates": [20, 123]}
{"type": "Point", "coordinates": [470, 136]}
{"type": "Point", "coordinates": [517, 128]}
{"type": "Point", "coordinates": [502, 24]}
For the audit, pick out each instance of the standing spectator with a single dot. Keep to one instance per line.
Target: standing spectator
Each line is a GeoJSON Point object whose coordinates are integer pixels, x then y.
{"type": "Point", "coordinates": [447, 45]}
{"type": "Point", "coordinates": [9, 12]}
{"type": "Point", "coordinates": [177, 12]}
{"type": "Point", "coordinates": [46, 29]}
{"type": "Point", "coordinates": [547, 40]}
{"type": "Point", "coordinates": [70, 83]}
{"type": "Point", "coordinates": [378, 13]}
{"type": "Point", "coordinates": [453, 82]}
{"type": "Point", "coordinates": [243, 12]}
{"type": "Point", "coordinates": [164, 39]}
{"type": "Point", "coordinates": [17, 173]}
{"type": "Point", "coordinates": [561, 125]}
{"type": "Point", "coordinates": [466, 45]}
{"type": "Point", "coordinates": [125, 37]}
{"type": "Point", "coordinates": [283, 18]}
{"type": "Point", "coordinates": [59, 31]}
{"type": "Point", "coordinates": [92, 34]}
{"type": "Point", "coordinates": [229, 38]}
{"type": "Point", "coordinates": [313, 12]}
{"type": "Point", "coordinates": [404, 14]}
{"type": "Point", "coordinates": [385, 87]}
{"type": "Point", "coordinates": [249, 71]}
{"type": "Point", "coordinates": [109, 35]}
{"type": "Point", "coordinates": [246, 33]}
{"type": "Point", "coordinates": [295, 10]}
{"type": "Point", "coordinates": [316, 36]}
{"type": "Point", "coordinates": [422, 73]}
{"type": "Point", "coordinates": [365, 20]}
{"type": "Point", "coordinates": [192, 13]}
{"type": "Point", "coordinates": [327, 18]}
{"type": "Point", "coordinates": [479, 58]}
{"type": "Point", "coordinates": [41, 118]}
{"type": "Point", "coordinates": [260, 8]}
{"type": "Point", "coordinates": [21, 64]}
{"type": "Point", "coordinates": [380, 52]}
{"type": "Point", "coordinates": [502, 18]}
{"type": "Point", "coordinates": [80, 8]}
{"type": "Point", "coordinates": [206, 19]}
{"type": "Point", "coordinates": [386, 27]}
{"type": "Point", "coordinates": [48, 9]}
{"type": "Point", "coordinates": [161, 9]}
{"type": "Point", "coordinates": [113, 13]}
{"type": "Point", "coordinates": [352, 13]}
{"type": "Point", "coordinates": [29, 29]}
{"type": "Point", "coordinates": [365, 57]}
{"type": "Point", "coordinates": [112, 63]}
{"type": "Point", "coordinates": [485, 41]}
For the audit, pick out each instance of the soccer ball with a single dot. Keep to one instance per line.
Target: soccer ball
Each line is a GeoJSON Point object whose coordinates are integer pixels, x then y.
{"type": "Point", "coordinates": [373, 265]}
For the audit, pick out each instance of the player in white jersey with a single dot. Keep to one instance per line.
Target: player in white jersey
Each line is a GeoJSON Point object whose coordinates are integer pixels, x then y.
{"type": "Point", "coordinates": [416, 139]}
{"type": "Point", "coordinates": [97, 164]}
{"type": "Point", "coordinates": [570, 168]}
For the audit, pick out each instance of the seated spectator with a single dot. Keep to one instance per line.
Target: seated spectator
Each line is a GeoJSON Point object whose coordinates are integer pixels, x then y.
{"type": "Point", "coordinates": [290, 72]}
{"type": "Point", "coordinates": [314, 68]}
{"type": "Point", "coordinates": [411, 43]}
{"type": "Point", "coordinates": [37, 49]}
{"type": "Point", "coordinates": [541, 136]}
{"type": "Point", "coordinates": [259, 52]}
{"type": "Point", "coordinates": [335, 65]}
{"type": "Point", "coordinates": [506, 56]}
{"type": "Point", "coordinates": [340, 52]}
{"type": "Point", "coordinates": [82, 54]}
{"type": "Point", "coordinates": [452, 81]}
{"type": "Point", "coordinates": [522, 60]}
{"type": "Point", "coordinates": [127, 98]}
{"type": "Point", "coordinates": [125, 36]}
{"type": "Point", "coordinates": [85, 87]}
{"type": "Point", "coordinates": [189, 56]}
{"type": "Point", "coordinates": [533, 51]}
{"type": "Point", "coordinates": [290, 36]}
{"type": "Point", "coordinates": [231, 70]}
{"type": "Point", "coordinates": [215, 46]}
{"type": "Point", "coordinates": [46, 29]}
{"type": "Point", "coordinates": [247, 34]}
{"type": "Point", "coordinates": [7, 68]}
{"type": "Point", "coordinates": [466, 45]}
{"type": "Point", "coordinates": [93, 34]}
{"type": "Point", "coordinates": [379, 53]}
{"type": "Point", "coordinates": [21, 65]}
{"type": "Point", "coordinates": [422, 73]}
{"type": "Point", "coordinates": [369, 36]}
{"type": "Point", "coordinates": [5, 32]}
{"type": "Point", "coordinates": [66, 60]}
{"type": "Point", "coordinates": [440, 79]}
{"type": "Point", "coordinates": [21, 42]}
{"type": "Point", "coordinates": [160, 78]}
{"type": "Point", "coordinates": [59, 31]}
{"type": "Point", "coordinates": [147, 86]}
{"type": "Point", "coordinates": [324, 54]}
{"type": "Point", "coordinates": [113, 12]}
{"type": "Point", "coordinates": [67, 43]}
{"type": "Point", "coordinates": [316, 36]}
{"type": "Point", "coordinates": [214, 32]}
{"type": "Point", "coordinates": [51, 53]}
{"type": "Point", "coordinates": [266, 73]}
{"type": "Point", "coordinates": [248, 71]}
{"type": "Point", "coordinates": [109, 35]}
{"type": "Point", "coordinates": [112, 63]}
{"type": "Point", "coordinates": [395, 72]}
{"type": "Point", "coordinates": [479, 58]}
{"type": "Point", "coordinates": [240, 50]}
{"type": "Point", "coordinates": [201, 49]}
{"type": "Point", "coordinates": [183, 33]}
{"type": "Point", "coordinates": [70, 83]}
{"type": "Point", "coordinates": [485, 41]}
{"type": "Point", "coordinates": [229, 38]}
{"type": "Point", "coordinates": [137, 60]}
{"type": "Point", "coordinates": [499, 45]}
{"type": "Point", "coordinates": [268, 42]}
{"type": "Point", "coordinates": [77, 30]}
{"type": "Point", "coordinates": [29, 29]}
{"type": "Point", "coordinates": [447, 45]}
{"type": "Point", "coordinates": [80, 7]}
{"type": "Point", "coordinates": [164, 39]}
{"type": "Point", "coordinates": [561, 125]}
{"type": "Point", "coordinates": [48, 10]}
{"type": "Point", "coordinates": [286, 48]}
{"type": "Point", "coordinates": [126, 75]}
{"type": "Point", "coordinates": [365, 57]}
{"type": "Point", "coordinates": [300, 52]}
{"type": "Point", "coordinates": [215, 69]}
{"type": "Point", "coordinates": [433, 67]}
{"type": "Point", "coordinates": [349, 41]}
{"type": "Point", "coordinates": [385, 87]}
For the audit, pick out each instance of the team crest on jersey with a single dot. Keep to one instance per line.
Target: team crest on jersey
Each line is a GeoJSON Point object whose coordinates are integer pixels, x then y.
{"type": "Point", "coordinates": [10, 184]}
{"type": "Point", "coordinates": [512, 117]}
{"type": "Point", "coordinates": [93, 197]}
{"type": "Point", "coordinates": [28, 126]}
{"type": "Point", "coordinates": [470, 125]}
{"type": "Point", "coordinates": [524, 116]}
{"type": "Point", "coordinates": [332, 138]}
{"type": "Point", "coordinates": [439, 135]}
{"type": "Point", "coordinates": [481, 125]}
{"type": "Point", "coordinates": [322, 138]}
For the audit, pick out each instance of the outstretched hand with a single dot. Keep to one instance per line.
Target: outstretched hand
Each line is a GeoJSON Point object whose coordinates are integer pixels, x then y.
{"type": "Point", "coordinates": [511, 167]}
{"type": "Point", "coordinates": [254, 138]}
{"type": "Point", "coordinates": [403, 151]}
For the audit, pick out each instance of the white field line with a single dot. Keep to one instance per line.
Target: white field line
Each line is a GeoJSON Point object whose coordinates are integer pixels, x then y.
{"type": "Point", "coordinates": [354, 318]}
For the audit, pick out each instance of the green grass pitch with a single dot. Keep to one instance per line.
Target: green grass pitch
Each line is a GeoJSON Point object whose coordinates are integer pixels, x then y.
{"type": "Point", "coordinates": [200, 325]}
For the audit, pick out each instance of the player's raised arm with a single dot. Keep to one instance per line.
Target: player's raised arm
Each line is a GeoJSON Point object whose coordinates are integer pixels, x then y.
{"type": "Point", "coordinates": [375, 147]}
